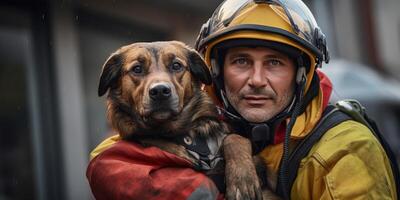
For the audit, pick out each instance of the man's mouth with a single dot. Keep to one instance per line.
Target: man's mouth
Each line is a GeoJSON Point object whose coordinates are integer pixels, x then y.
{"type": "Point", "coordinates": [256, 100]}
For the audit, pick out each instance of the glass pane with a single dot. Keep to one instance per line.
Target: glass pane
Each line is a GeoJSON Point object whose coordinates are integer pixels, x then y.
{"type": "Point", "coordinates": [16, 168]}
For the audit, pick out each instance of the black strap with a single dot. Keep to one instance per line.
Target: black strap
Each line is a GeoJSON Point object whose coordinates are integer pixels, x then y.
{"type": "Point", "coordinates": [389, 153]}
{"type": "Point", "coordinates": [330, 118]}
{"type": "Point", "coordinates": [197, 144]}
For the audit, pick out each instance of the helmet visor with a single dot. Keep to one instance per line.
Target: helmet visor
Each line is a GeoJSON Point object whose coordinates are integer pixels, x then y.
{"type": "Point", "coordinates": [226, 12]}
{"type": "Point", "coordinates": [293, 11]}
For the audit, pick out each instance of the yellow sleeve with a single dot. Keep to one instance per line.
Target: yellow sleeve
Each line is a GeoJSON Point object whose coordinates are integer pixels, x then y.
{"type": "Point", "coordinates": [347, 163]}
{"type": "Point", "coordinates": [104, 145]}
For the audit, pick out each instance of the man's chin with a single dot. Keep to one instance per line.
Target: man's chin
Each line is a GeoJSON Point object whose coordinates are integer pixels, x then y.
{"type": "Point", "coordinates": [256, 115]}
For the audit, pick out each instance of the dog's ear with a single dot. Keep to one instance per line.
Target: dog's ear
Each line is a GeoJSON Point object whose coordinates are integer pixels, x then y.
{"type": "Point", "coordinates": [198, 68]}
{"type": "Point", "coordinates": [110, 74]}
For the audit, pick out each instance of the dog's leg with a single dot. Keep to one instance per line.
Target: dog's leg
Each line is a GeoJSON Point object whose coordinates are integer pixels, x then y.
{"type": "Point", "coordinates": [267, 178]}
{"type": "Point", "coordinates": [241, 177]}
{"type": "Point", "coordinates": [269, 195]}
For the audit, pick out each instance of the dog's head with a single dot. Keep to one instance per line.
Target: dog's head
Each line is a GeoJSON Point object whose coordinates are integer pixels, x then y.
{"type": "Point", "coordinates": [153, 81]}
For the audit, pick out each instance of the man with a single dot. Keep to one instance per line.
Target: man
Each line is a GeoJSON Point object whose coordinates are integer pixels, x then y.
{"type": "Point", "coordinates": [263, 56]}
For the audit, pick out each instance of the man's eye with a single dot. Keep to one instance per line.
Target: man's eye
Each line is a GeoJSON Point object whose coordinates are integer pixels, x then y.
{"type": "Point", "coordinates": [176, 67]}
{"type": "Point", "coordinates": [137, 69]}
{"type": "Point", "coordinates": [274, 62]}
{"type": "Point", "coordinates": [241, 61]}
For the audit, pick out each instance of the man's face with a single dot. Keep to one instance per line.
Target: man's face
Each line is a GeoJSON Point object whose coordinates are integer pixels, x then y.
{"type": "Point", "coordinates": [259, 82]}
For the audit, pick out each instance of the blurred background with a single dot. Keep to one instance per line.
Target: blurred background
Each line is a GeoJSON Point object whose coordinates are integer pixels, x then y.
{"type": "Point", "coordinates": [52, 52]}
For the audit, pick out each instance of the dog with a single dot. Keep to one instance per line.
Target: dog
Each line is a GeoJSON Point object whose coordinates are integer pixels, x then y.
{"type": "Point", "coordinates": [155, 96]}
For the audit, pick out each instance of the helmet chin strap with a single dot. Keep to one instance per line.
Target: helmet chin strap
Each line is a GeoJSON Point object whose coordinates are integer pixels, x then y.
{"type": "Point", "coordinates": [301, 80]}
{"type": "Point", "coordinates": [261, 134]}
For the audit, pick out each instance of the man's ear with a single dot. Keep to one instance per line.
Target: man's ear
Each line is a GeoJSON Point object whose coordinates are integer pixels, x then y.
{"type": "Point", "coordinates": [198, 68]}
{"type": "Point", "coordinates": [110, 74]}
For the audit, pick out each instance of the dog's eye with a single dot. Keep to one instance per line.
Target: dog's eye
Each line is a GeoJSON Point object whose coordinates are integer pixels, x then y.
{"type": "Point", "coordinates": [176, 67]}
{"type": "Point", "coordinates": [137, 69]}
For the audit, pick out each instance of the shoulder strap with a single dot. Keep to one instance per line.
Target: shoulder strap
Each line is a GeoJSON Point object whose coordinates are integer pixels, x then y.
{"type": "Point", "coordinates": [389, 152]}
{"type": "Point", "coordinates": [330, 118]}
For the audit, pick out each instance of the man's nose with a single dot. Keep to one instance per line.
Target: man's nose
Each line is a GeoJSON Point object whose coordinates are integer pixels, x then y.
{"type": "Point", "coordinates": [258, 77]}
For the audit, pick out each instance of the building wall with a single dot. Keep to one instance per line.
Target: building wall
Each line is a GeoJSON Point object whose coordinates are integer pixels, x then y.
{"type": "Point", "coordinates": [351, 35]}
{"type": "Point", "coordinates": [387, 23]}
{"type": "Point", "coordinates": [347, 30]}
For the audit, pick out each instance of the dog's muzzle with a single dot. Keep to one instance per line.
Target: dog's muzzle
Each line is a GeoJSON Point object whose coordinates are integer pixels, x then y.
{"type": "Point", "coordinates": [163, 101]}
{"type": "Point", "coordinates": [160, 92]}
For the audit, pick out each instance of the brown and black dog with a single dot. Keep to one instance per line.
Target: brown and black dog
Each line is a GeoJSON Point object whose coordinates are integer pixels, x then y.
{"type": "Point", "coordinates": [154, 95]}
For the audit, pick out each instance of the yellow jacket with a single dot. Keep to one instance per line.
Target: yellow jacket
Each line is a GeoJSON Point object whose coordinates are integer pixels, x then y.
{"type": "Point", "coordinates": [347, 163]}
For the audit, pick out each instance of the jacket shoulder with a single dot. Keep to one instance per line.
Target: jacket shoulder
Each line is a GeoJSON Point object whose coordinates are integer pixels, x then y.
{"type": "Point", "coordinates": [107, 143]}
{"type": "Point", "coordinates": [348, 161]}
{"type": "Point", "coordinates": [348, 137]}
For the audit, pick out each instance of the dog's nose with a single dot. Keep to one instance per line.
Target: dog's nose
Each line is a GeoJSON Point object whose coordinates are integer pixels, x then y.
{"type": "Point", "coordinates": [160, 92]}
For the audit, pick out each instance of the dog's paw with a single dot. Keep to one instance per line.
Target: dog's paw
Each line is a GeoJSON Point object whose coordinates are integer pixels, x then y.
{"type": "Point", "coordinates": [242, 183]}
{"type": "Point", "coordinates": [268, 194]}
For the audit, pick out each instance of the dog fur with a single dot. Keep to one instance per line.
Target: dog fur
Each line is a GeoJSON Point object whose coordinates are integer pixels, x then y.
{"type": "Point", "coordinates": [154, 94]}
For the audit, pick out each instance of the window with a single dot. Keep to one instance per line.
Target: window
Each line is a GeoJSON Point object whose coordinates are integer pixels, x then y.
{"type": "Point", "coordinates": [29, 151]}
{"type": "Point", "coordinates": [17, 179]}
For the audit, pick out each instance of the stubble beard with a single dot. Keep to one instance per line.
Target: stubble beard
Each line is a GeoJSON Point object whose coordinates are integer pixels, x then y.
{"type": "Point", "coordinates": [259, 114]}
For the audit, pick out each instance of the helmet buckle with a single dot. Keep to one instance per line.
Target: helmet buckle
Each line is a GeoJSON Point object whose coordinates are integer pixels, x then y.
{"type": "Point", "coordinates": [321, 44]}
{"type": "Point", "coordinates": [214, 67]}
{"type": "Point", "coordinates": [301, 75]}
{"type": "Point", "coordinates": [203, 34]}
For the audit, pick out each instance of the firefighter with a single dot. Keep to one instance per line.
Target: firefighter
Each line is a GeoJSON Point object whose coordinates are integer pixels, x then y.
{"type": "Point", "coordinates": [264, 57]}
